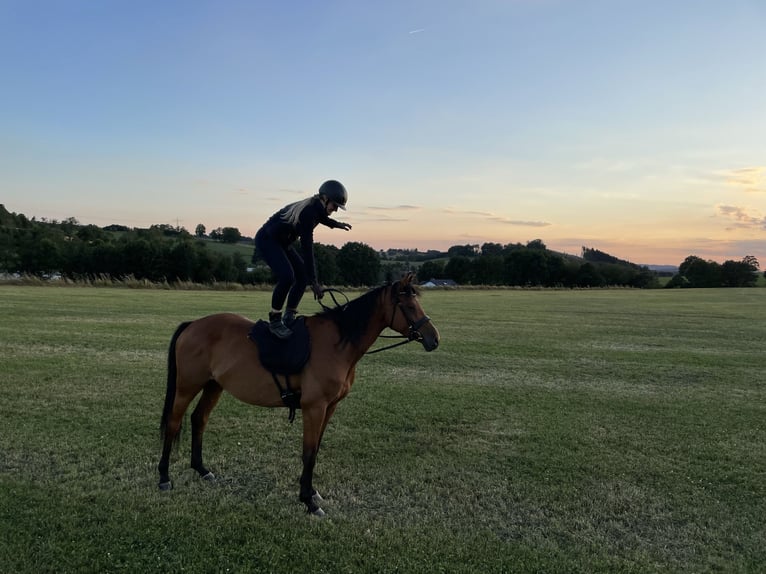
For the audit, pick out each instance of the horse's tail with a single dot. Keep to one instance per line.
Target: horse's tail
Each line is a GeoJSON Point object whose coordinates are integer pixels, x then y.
{"type": "Point", "coordinates": [170, 393]}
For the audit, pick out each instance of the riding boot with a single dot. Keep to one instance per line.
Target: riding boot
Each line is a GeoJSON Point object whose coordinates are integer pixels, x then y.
{"type": "Point", "coordinates": [289, 318]}
{"type": "Point", "coordinates": [277, 327]}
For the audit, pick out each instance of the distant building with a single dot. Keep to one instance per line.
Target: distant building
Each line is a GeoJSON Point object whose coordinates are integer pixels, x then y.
{"type": "Point", "coordinates": [439, 283]}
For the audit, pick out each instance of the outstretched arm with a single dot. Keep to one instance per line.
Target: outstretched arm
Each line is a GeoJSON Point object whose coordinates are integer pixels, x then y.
{"type": "Point", "coordinates": [339, 224]}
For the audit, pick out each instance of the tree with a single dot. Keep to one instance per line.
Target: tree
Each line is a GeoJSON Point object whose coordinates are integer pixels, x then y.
{"type": "Point", "coordinates": [200, 230]}
{"type": "Point", "coordinates": [511, 247]}
{"type": "Point", "coordinates": [751, 261]}
{"type": "Point", "coordinates": [91, 233]}
{"type": "Point", "coordinates": [431, 270]}
{"type": "Point", "coordinates": [39, 249]}
{"type": "Point", "coordinates": [225, 269]}
{"type": "Point", "coordinates": [526, 267]}
{"type": "Point", "coordinates": [740, 273]}
{"type": "Point", "coordinates": [588, 276]}
{"type": "Point", "coordinates": [700, 273]}
{"type": "Point", "coordinates": [459, 269]}
{"type": "Point", "coordinates": [8, 254]}
{"type": "Point", "coordinates": [359, 264]}
{"type": "Point", "coordinates": [230, 235]}
{"type": "Point", "coordinates": [491, 249]}
{"type": "Point", "coordinates": [167, 229]}
{"type": "Point", "coordinates": [463, 250]}
{"type": "Point", "coordinates": [678, 281]}
{"type": "Point", "coordinates": [488, 270]}
{"type": "Point", "coordinates": [6, 217]}
{"type": "Point", "coordinates": [69, 226]}
{"type": "Point", "coordinates": [326, 257]}
{"type": "Point", "coordinates": [138, 257]}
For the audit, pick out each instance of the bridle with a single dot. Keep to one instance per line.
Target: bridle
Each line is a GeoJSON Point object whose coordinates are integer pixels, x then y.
{"type": "Point", "coordinates": [413, 333]}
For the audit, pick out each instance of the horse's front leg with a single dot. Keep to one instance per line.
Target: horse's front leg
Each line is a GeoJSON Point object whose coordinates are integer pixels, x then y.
{"type": "Point", "coordinates": [315, 496]}
{"type": "Point", "coordinates": [313, 425]}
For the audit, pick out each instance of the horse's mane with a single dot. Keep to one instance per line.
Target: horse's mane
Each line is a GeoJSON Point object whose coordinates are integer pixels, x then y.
{"type": "Point", "coordinates": [353, 319]}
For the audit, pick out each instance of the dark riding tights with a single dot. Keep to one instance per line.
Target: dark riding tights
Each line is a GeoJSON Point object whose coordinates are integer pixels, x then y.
{"type": "Point", "coordinates": [290, 272]}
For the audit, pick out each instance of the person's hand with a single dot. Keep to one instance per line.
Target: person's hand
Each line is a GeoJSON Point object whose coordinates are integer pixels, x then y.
{"type": "Point", "coordinates": [317, 289]}
{"type": "Point", "coordinates": [344, 225]}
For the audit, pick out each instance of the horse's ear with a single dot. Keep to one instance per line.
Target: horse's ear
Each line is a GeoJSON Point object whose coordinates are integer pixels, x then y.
{"type": "Point", "coordinates": [408, 278]}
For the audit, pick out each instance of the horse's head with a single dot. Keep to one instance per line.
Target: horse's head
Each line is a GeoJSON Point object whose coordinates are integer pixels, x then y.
{"type": "Point", "coordinates": [409, 318]}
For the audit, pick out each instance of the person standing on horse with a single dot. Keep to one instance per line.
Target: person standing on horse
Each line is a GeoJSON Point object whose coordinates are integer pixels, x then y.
{"type": "Point", "coordinates": [293, 270]}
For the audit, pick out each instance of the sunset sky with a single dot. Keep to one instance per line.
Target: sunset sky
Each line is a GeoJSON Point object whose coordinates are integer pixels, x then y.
{"type": "Point", "coordinates": [634, 127]}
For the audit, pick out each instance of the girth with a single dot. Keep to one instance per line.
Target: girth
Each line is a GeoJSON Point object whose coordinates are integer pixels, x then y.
{"type": "Point", "coordinates": [291, 398]}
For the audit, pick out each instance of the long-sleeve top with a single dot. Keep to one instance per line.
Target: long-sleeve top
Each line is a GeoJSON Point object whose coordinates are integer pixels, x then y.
{"type": "Point", "coordinates": [298, 220]}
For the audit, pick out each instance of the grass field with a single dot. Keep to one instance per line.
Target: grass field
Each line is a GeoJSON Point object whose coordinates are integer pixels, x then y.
{"type": "Point", "coordinates": [552, 431]}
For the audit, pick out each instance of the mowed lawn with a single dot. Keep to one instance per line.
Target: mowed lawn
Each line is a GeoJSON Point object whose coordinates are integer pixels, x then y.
{"type": "Point", "coordinates": [552, 431]}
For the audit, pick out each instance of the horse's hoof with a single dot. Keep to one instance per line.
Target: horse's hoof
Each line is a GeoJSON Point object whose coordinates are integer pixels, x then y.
{"type": "Point", "coordinates": [316, 498]}
{"type": "Point", "coordinates": [319, 513]}
{"type": "Point", "coordinates": [209, 476]}
{"type": "Point", "coordinates": [165, 486]}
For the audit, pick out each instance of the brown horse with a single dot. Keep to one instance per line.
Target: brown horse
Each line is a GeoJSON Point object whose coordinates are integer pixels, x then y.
{"type": "Point", "coordinates": [213, 354]}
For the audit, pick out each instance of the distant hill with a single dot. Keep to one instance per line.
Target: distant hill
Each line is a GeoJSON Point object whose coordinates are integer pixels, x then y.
{"type": "Point", "coordinates": [598, 256]}
{"type": "Point", "coordinates": [664, 269]}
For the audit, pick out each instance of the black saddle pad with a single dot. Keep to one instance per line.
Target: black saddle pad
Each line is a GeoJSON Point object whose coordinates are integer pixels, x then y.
{"type": "Point", "coordinates": [282, 356]}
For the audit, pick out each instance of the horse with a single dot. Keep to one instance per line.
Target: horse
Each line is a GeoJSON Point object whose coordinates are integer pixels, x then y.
{"type": "Point", "coordinates": [213, 354]}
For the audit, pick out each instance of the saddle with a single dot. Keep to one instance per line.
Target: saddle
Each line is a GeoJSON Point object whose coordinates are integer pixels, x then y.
{"type": "Point", "coordinates": [283, 357]}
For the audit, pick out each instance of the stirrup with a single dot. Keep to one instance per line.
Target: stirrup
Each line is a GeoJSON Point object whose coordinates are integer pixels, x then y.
{"type": "Point", "coordinates": [279, 329]}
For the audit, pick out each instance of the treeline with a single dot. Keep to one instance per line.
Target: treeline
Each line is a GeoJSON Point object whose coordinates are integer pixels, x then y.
{"type": "Point", "coordinates": [696, 272]}
{"type": "Point", "coordinates": [516, 264]}
{"type": "Point", "coordinates": [157, 254]}
{"type": "Point", "coordinates": [534, 265]}
{"type": "Point", "coordinates": [166, 253]}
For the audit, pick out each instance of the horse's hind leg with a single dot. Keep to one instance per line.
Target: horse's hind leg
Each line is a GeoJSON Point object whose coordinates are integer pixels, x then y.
{"type": "Point", "coordinates": [210, 395]}
{"type": "Point", "coordinates": [170, 430]}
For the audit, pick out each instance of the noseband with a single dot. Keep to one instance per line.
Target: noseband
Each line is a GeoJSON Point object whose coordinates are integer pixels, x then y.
{"type": "Point", "coordinates": [414, 326]}
{"type": "Point", "coordinates": [413, 333]}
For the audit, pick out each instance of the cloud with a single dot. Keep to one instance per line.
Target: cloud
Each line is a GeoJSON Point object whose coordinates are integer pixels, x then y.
{"type": "Point", "coordinates": [749, 179]}
{"type": "Point", "coordinates": [387, 219]}
{"type": "Point", "coordinates": [386, 214]}
{"type": "Point", "coordinates": [497, 218]}
{"type": "Point", "coordinates": [395, 208]}
{"type": "Point", "coordinates": [456, 211]}
{"type": "Point", "coordinates": [742, 219]}
{"type": "Point", "coordinates": [522, 223]}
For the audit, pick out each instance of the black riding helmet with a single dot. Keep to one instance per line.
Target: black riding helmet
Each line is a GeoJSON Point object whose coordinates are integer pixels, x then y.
{"type": "Point", "coordinates": [335, 192]}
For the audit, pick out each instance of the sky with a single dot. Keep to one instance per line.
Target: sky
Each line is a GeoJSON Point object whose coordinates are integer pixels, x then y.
{"type": "Point", "coordinates": [633, 127]}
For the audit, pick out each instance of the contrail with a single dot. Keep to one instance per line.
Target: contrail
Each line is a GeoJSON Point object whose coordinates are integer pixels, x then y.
{"type": "Point", "coordinates": [417, 31]}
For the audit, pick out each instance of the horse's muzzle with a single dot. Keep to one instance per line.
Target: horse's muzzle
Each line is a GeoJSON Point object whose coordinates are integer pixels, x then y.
{"type": "Point", "coordinates": [428, 336]}
{"type": "Point", "coordinates": [430, 345]}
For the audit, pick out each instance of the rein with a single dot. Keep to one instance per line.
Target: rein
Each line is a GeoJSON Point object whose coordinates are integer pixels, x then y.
{"type": "Point", "coordinates": [413, 335]}
{"type": "Point", "coordinates": [332, 293]}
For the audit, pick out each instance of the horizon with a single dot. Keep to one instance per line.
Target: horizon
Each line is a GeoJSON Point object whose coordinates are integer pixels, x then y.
{"type": "Point", "coordinates": [632, 128]}
{"type": "Point", "coordinates": [447, 244]}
